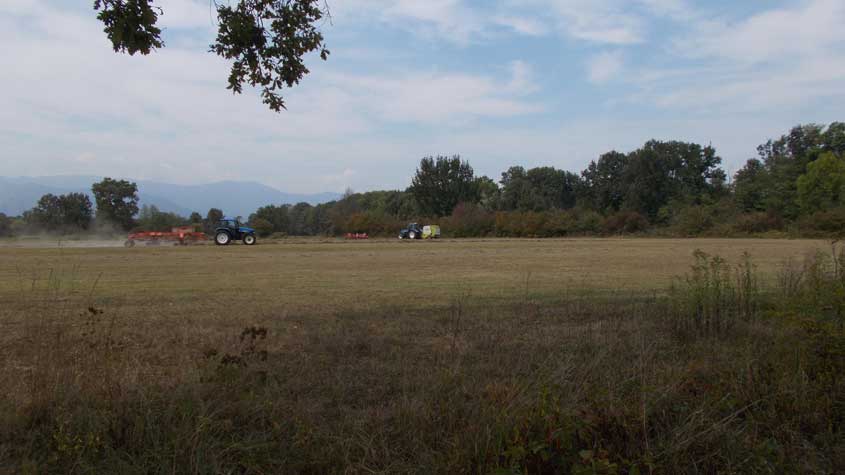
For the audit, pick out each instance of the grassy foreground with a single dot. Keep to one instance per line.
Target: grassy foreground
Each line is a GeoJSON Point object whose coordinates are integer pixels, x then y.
{"type": "Point", "coordinates": [489, 356]}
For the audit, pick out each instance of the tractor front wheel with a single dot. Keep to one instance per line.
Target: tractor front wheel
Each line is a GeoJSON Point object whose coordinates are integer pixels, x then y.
{"type": "Point", "coordinates": [222, 239]}
{"type": "Point", "coordinates": [412, 235]}
{"type": "Point", "coordinates": [249, 239]}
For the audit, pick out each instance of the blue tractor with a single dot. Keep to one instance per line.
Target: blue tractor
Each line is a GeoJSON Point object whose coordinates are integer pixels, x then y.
{"type": "Point", "coordinates": [413, 231]}
{"type": "Point", "coordinates": [230, 229]}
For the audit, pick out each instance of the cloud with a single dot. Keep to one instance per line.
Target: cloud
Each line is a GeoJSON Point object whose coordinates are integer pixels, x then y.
{"type": "Point", "coordinates": [187, 14]}
{"type": "Point", "coordinates": [599, 21]}
{"type": "Point", "coordinates": [521, 24]}
{"type": "Point", "coordinates": [777, 58]}
{"type": "Point", "coordinates": [74, 106]}
{"type": "Point", "coordinates": [669, 69]}
{"type": "Point", "coordinates": [595, 21]}
{"type": "Point", "coordinates": [441, 97]}
{"type": "Point", "coordinates": [604, 66]}
{"type": "Point", "coordinates": [522, 79]}
{"type": "Point", "coordinates": [812, 29]}
{"type": "Point", "coordinates": [450, 20]}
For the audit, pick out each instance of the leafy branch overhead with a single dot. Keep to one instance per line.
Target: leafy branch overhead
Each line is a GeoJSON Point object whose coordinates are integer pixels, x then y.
{"type": "Point", "coordinates": [265, 40]}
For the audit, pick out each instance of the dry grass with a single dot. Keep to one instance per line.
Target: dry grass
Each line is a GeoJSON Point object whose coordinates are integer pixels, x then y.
{"type": "Point", "coordinates": [489, 356]}
{"type": "Point", "coordinates": [327, 277]}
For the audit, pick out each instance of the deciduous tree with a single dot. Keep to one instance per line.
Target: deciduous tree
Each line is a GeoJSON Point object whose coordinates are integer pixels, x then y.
{"type": "Point", "coordinates": [117, 202]}
{"type": "Point", "coordinates": [66, 213]}
{"type": "Point", "coordinates": [823, 186]}
{"type": "Point", "coordinates": [265, 40]}
{"type": "Point", "coordinates": [443, 182]}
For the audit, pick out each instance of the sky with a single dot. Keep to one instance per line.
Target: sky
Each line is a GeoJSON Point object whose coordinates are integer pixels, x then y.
{"type": "Point", "coordinates": [499, 82]}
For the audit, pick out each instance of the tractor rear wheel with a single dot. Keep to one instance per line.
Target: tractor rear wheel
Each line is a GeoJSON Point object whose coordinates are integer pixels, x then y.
{"type": "Point", "coordinates": [222, 238]}
{"type": "Point", "coordinates": [412, 235]}
{"type": "Point", "coordinates": [249, 239]}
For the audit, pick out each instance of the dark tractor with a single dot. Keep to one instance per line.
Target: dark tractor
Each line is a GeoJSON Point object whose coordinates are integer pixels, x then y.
{"type": "Point", "coordinates": [230, 229]}
{"type": "Point", "coordinates": [413, 231]}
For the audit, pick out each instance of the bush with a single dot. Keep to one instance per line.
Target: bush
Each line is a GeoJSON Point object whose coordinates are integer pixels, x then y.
{"type": "Point", "coordinates": [715, 296]}
{"type": "Point", "coordinates": [5, 225]}
{"type": "Point", "coordinates": [752, 223]}
{"type": "Point", "coordinates": [374, 224]}
{"type": "Point", "coordinates": [560, 223]}
{"type": "Point", "coordinates": [829, 222]}
{"type": "Point", "coordinates": [588, 222]}
{"type": "Point", "coordinates": [625, 222]}
{"type": "Point", "coordinates": [263, 227]}
{"type": "Point", "coordinates": [693, 221]}
{"type": "Point", "coordinates": [470, 220]}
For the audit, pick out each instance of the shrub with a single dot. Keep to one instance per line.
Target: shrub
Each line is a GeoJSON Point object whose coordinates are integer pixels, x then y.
{"type": "Point", "coordinates": [752, 223]}
{"type": "Point", "coordinates": [588, 222]}
{"type": "Point", "coordinates": [560, 223]}
{"type": "Point", "coordinates": [5, 225]}
{"type": "Point", "coordinates": [508, 224]}
{"type": "Point", "coordinates": [692, 221]}
{"type": "Point", "coordinates": [830, 222]}
{"type": "Point", "coordinates": [625, 222]}
{"type": "Point", "coordinates": [715, 295]}
{"type": "Point", "coordinates": [262, 227]}
{"type": "Point", "coordinates": [470, 220]}
{"type": "Point", "coordinates": [374, 224]}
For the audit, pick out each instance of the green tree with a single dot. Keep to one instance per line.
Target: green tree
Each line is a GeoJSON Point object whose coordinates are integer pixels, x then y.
{"type": "Point", "coordinates": [263, 227]}
{"type": "Point", "coordinates": [603, 182]}
{"type": "Point", "coordinates": [213, 216]}
{"type": "Point", "coordinates": [661, 172]}
{"type": "Point", "coordinates": [195, 218]}
{"type": "Point", "coordinates": [302, 221]}
{"type": "Point", "coordinates": [65, 213]}
{"type": "Point", "coordinates": [823, 186]}
{"type": "Point", "coordinates": [117, 202]}
{"type": "Point", "coordinates": [76, 210]}
{"type": "Point", "coordinates": [516, 190]}
{"type": "Point", "coordinates": [265, 40]}
{"type": "Point", "coordinates": [277, 216]}
{"type": "Point", "coordinates": [5, 225]}
{"type": "Point", "coordinates": [538, 189]}
{"type": "Point", "coordinates": [152, 219]}
{"type": "Point", "coordinates": [751, 184]}
{"type": "Point", "coordinates": [489, 193]}
{"type": "Point", "coordinates": [47, 213]}
{"type": "Point", "coordinates": [443, 182]}
{"type": "Point", "coordinates": [785, 159]}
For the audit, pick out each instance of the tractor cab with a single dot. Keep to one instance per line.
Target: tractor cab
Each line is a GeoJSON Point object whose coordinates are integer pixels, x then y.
{"type": "Point", "coordinates": [231, 229]}
{"type": "Point", "coordinates": [229, 223]}
{"type": "Point", "coordinates": [413, 231]}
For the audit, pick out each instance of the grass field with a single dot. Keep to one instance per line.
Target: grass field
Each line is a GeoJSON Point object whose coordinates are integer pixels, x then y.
{"type": "Point", "coordinates": [330, 276]}
{"type": "Point", "coordinates": [457, 356]}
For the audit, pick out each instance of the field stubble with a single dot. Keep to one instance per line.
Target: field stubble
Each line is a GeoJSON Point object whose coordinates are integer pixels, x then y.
{"type": "Point", "coordinates": [485, 356]}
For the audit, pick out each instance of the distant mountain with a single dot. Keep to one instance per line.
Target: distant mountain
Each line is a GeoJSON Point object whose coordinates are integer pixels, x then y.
{"type": "Point", "coordinates": [235, 198]}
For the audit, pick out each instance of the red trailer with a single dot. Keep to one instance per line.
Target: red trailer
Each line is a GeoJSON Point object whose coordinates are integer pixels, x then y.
{"type": "Point", "coordinates": [180, 236]}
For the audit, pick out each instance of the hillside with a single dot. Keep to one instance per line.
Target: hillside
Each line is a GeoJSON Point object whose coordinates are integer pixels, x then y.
{"type": "Point", "coordinates": [18, 194]}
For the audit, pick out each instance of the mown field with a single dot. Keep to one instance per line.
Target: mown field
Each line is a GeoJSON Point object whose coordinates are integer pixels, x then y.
{"type": "Point", "coordinates": [326, 277]}
{"type": "Point", "coordinates": [457, 356]}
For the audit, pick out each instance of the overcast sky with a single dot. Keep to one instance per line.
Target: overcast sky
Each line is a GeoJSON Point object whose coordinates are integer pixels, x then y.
{"type": "Point", "coordinates": [528, 82]}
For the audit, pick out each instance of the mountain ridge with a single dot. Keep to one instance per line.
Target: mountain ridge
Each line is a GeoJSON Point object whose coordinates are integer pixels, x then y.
{"type": "Point", "coordinates": [238, 198]}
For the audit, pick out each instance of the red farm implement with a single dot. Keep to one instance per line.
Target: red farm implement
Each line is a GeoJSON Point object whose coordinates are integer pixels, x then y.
{"type": "Point", "coordinates": [181, 236]}
{"type": "Point", "coordinates": [357, 236]}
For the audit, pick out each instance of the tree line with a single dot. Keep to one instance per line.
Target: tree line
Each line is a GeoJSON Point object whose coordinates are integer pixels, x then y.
{"type": "Point", "coordinates": [795, 184]}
